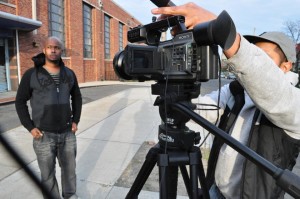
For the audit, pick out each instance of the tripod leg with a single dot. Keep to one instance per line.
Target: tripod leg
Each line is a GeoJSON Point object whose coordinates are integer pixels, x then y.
{"type": "Point", "coordinates": [186, 179]}
{"type": "Point", "coordinates": [195, 158]}
{"type": "Point", "coordinates": [144, 172]}
{"type": "Point", "coordinates": [203, 181]}
{"type": "Point", "coordinates": [194, 180]}
{"type": "Point", "coordinates": [163, 174]}
{"type": "Point", "coordinates": [168, 177]}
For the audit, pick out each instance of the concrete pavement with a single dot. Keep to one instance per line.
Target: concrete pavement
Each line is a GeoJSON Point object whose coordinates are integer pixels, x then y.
{"type": "Point", "coordinates": [111, 132]}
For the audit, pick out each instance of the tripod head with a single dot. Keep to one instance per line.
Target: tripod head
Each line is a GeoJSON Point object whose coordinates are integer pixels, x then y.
{"type": "Point", "coordinates": [173, 132]}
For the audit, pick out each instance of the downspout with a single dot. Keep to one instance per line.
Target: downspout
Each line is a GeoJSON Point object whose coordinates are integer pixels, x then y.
{"type": "Point", "coordinates": [18, 56]}
{"type": "Point", "coordinates": [34, 16]}
{"type": "Point", "coordinates": [7, 65]}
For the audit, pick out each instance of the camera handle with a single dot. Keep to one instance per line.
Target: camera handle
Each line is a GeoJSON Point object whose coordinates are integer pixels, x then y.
{"type": "Point", "coordinates": [287, 180]}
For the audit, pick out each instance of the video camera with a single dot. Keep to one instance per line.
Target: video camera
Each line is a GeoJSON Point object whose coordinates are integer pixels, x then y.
{"type": "Point", "coordinates": [180, 59]}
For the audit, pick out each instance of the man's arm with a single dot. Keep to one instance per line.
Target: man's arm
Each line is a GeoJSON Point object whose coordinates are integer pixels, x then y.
{"type": "Point", "coordinates": [267, 86]}
{"type": "Point", "coordinates": [23, 95]}
{"type": "Point", "coordinates": [76, 101]}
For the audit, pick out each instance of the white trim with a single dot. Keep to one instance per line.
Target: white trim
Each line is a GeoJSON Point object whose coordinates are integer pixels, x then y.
{"type": "Point", "coordinates": [93, 5]}
{"type": "Point", "coordinates": [34, 15]}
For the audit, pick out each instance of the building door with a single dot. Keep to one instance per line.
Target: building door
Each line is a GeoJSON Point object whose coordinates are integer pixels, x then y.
{"type": "Point", "coordinates": [4, 66]}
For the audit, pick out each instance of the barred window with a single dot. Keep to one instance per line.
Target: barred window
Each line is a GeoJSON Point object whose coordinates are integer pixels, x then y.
{"type": "Point", "coordinates": [107, 36]}
{"type": "Point", "coordinates": [56, 19]}
{"type": "Point", "coordinates": [121, 36]}
{"type": "Point", "coordinates": [87, 31]}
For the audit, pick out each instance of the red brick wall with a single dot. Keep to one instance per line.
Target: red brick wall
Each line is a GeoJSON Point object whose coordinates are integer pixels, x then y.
{"type": "Point", "coordinates": [26, 39]}
{"type": "Point", "coordinates": [118, 15]}
{"type": "Point", "coordinates": [8, 9]}
{"type": "Point", "coordinates": [94, 69]}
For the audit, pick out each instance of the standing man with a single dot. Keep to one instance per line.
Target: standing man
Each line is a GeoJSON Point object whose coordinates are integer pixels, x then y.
{"type": "Point", "coordinates": [48, 86]}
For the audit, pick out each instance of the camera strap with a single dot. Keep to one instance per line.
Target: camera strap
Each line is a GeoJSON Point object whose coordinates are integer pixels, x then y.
{"type": "Point", "coordinates": [226, 122]}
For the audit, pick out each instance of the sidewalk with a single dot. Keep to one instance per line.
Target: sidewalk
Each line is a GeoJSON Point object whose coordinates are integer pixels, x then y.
{"type": "Point", "coordinates": [111, 131]}
{"type": "Point", "coordinates": [9, 97]}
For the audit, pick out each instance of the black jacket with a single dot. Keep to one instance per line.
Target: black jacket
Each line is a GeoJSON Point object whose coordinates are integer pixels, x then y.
{"type": "Point", "coordinates": [273, 144]}
{"type": "Point", "coordinates": [267, 140]}
{"type": "Point", "coordinates": [51, 108]}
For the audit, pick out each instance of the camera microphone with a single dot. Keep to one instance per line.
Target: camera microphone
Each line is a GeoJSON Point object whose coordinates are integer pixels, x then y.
{"type": "Point", "coordinates": [163, 3]}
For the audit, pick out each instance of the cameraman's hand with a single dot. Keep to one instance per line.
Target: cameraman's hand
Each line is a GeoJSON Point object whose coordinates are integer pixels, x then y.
{"type": "Point", "coordinates": [193, 14]}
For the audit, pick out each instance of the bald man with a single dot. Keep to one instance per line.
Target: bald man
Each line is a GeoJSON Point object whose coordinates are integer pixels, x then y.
{"type": "Point", "coordinates": [49, 86]}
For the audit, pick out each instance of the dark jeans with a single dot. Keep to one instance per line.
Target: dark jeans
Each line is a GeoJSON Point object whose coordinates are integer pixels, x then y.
{"type": "Point", "coordinates": [214, 192]}
{"type": "Point", "coordinates": [63, 147]}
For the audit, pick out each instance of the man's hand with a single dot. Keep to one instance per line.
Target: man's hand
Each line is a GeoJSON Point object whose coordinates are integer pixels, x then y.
{"type": "Point", "coordinates": [74, 127]}
{"type": "Point", "coordinates": [36, 133]}
{"type": "Point", "coordinates": [193, 14]}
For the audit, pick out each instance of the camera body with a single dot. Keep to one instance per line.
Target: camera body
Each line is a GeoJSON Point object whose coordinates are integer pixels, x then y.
{"type": "Point", "coordinates": [180, 59]}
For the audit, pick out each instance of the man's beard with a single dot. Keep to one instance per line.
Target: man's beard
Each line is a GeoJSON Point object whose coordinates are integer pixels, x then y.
{"type": "Point", "coordinates": [56, 61]}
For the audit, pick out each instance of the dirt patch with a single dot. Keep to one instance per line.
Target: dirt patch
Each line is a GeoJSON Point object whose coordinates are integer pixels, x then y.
{"type": "Point", "coordinates": [152, 183]}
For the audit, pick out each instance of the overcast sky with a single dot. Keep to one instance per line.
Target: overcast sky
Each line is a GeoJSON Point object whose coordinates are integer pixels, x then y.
{"type": "Point", "coordinates": [250, 16]}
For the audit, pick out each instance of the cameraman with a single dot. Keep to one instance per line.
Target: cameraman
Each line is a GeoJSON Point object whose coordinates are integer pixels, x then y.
{"type": "Point", "coordinates": [273, 132]}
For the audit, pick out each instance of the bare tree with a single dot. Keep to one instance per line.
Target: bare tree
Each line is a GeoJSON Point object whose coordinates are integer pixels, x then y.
{"type": "Point", "coordinates": [292, 28]}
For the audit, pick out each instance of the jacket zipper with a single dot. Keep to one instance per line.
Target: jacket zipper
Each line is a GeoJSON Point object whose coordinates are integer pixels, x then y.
{"type": "Point", "coordinates": [58, 93]}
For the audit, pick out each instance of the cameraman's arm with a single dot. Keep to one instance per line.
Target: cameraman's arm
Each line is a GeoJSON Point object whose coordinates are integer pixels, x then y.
{"type": "Point", "coordinates": [267, 86]}
{"type": "Point", "coordinates": [210, 102]}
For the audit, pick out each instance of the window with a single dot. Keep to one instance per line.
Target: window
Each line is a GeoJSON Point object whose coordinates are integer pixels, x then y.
{"type": "Point", "coordinates": [87, 32]}
{"type": "Point", "coordinates": [56, 19]}
{"type": "Point", "coordinates": [121, 36]}
{"type": "Point", "coordinates": [107, 36]}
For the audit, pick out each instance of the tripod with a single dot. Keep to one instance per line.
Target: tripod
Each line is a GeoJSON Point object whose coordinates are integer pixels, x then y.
{"type": "Point", "coordinates": [175, 147]}
{"type": "Point", "coordinates": [168, 162]}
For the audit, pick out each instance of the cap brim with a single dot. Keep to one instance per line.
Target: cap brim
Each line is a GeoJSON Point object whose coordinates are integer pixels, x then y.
{"type": "Point", "coordinates": [255, 39]}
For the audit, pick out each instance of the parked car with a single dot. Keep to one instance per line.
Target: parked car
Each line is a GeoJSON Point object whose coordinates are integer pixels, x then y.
{"type": "Point", "coordinates": [231, 76]}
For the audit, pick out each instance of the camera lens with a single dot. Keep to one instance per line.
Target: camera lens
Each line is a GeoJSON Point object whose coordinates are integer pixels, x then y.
{"type": "Point", "coordinates": [119, 66]}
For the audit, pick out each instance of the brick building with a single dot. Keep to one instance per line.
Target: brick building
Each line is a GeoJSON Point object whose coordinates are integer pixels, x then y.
{"type": "Point", "coordinates": [92, 32]}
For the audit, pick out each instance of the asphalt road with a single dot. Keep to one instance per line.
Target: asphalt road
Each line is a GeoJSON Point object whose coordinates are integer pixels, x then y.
{"type": "Point", "coordinates": [9, 118]}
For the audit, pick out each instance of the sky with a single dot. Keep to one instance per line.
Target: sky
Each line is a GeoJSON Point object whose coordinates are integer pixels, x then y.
{"type": "Point", "coordinates": [249, 16]}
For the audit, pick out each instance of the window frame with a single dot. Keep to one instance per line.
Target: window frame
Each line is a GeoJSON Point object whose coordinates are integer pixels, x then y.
{"type": "Point", "coordinates": [87, 14]}
{"type": "Point", "coordinates": [107, 40]}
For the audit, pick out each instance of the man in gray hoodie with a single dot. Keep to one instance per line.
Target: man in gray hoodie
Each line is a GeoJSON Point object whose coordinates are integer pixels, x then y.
{"type": "Point", "coordinates": [269, 121]}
